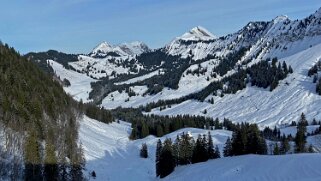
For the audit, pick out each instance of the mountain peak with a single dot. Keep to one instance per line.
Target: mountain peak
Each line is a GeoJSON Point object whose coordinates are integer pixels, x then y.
{"type": "Point", "coordinates": [198, 33]}
{"type": "Point", "coordinates": [103, 47]}
{"type": "Point", "coordinates": [280, 18]}
{"type": "Point", "coordinates": [124, 49]}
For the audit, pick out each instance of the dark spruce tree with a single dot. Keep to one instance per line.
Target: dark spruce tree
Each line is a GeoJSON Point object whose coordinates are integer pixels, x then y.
{"type": "Point", "coordinates": [200, 151]}
{"type": "Point", "coordinates": [210, 146]}
{"type": "Point", "coordinates": [144, 151]}
{"type": "Point", "coordinates": [300, 137]}
{"type": "Point", "coordinates": [159, 148]}
{"type": "Point", "coordinates": [228, 148]}
{"type": "Point", "coordinates": [166, 159]}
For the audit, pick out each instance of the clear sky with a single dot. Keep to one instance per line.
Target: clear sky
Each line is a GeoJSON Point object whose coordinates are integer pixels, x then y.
{"type": "Point", "coordinates": [77, 26]}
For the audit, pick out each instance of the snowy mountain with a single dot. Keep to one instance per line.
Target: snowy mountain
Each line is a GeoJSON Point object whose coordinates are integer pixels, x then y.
{"type": "Point", "coordinates": [126, 49]}
{"type": "Point", "coordinates": [198, 67]}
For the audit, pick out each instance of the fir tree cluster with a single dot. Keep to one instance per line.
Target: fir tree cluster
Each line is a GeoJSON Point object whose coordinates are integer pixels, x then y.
{"type": "Point", "coordinates": [246, 139]}
{"type": "Point", "coordinates": [184, 150]}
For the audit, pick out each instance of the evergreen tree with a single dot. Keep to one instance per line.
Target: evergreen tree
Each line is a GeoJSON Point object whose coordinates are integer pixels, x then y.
{"type": "Point", "coordinates": [185, 148]}
{"type": "Point", "coordinates": [144, 151]}
{"type": "Point", "coordinates": [159, 147]}
{"type": "Point", "coordinates": [276, 150]}
{"type": "Point", "coordinates": [290, 69]}
{"type": "Point", "coordinates": [159, 131]}
{"type": "Point", "coordinates": [176, 149]}
{"type": "Point", "coordinates": [200, 151]}
{"type": "Point", "coordinates": [285, 146]}
{"type": "Point", "coordinates": [228, 148]}
{"type": "Point", "coordinates": [210, 146]}
{"type": "Point", "coordinates": [145, 130]}
{"type": "Point", "coordinates": [51, 164]}
{"type": "Point", "coordinates": [93, 174]}
{"type": "Point", "coordinates": [300, 138]}
{"type": "Point", "coordinates": [32, 158]}
{"type": "Point", "coordinates": [217, 153]}
{"type": "Point", "coordinates": [166, 159]}
{"type": "Point", "coordinates": [310, 149]}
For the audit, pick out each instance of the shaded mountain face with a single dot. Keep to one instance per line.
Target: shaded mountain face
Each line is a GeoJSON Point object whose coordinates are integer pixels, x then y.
{"type": "Point", "coordinates": [198, 65]}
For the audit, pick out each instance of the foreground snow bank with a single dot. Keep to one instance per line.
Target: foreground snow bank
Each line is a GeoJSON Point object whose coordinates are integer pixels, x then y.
{"type": "Point", "coordinates": [110, 153]}
{"type": "Point", "coordinates": [296, 167]}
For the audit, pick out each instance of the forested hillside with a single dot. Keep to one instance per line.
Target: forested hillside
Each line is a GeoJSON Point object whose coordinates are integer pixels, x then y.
{"type": "Point", "coordinates": [39, 129]}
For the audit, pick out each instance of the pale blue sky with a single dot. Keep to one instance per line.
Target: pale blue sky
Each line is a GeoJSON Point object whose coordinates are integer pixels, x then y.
{"type": "Point", "coordinates": [77, 26]}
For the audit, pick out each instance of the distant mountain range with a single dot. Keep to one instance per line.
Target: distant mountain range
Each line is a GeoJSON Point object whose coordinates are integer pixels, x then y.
{"type": "Point", "coordinates": [201, 74]}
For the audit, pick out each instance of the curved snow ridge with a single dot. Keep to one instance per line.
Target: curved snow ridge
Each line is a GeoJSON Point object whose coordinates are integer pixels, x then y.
{"type": "Point", "coordinates": [303, 167]}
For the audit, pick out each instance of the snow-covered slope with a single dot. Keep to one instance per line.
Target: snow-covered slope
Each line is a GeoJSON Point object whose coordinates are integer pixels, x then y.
{"type": "Point", "coordinates": [294, 95]}
{"type": "Point", "coordinates": [297, 42]}
{"type": "Point", "coordinates": [125, 49]}
{"type": "Point", "coordinates": [295, 167]}
{"type": "Point", "coordinates": [110, 153]}
{"type": "Point", "coordinates": [79, 83]}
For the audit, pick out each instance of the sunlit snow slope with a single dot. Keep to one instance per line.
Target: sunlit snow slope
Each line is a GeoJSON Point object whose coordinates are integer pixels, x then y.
{"type": "Point", "coordinates": [110, 153]}
{"type": "Point", "coordinates": [294, 95]}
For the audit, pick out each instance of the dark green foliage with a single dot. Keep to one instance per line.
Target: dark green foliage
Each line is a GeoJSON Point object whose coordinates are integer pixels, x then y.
{"type": "Point", "coordinates": [210, 146]}
{"type": "Point", "coordinates": [41, 59]}
{"type": "Point", "coordinates": [264, 74]}
{"type": "Point", "coordinates": [217, 153]}
{"type": "Point", "coordinates": [51, 167]}
{"type": "Point", "coordinates": [276, 150]}
{"type": "Point", "coordinates": [159, 148]}
{"type": "Point", "coordinates": [310, 149]}
{"type": "Point", "coordinates": [200, 153]}
{"type": "Point", "coordinates": [144, 151]}
{"type": "Point", "coordinates": [97, 113]}
{"type": "Point", "coordinates": [229, 62]}
{"type": "Point", "coordinates": [35, 105]}
{"type": "Point", "coordinates": [247, 139]}
{"type": "Point", "coordinates": [93, 174]}
{"type": "Point", "coordinates": [318, 87]}
{"type": "Point", "coordinates": [228, 148]}
{"type": "Point", "coordinates": [166, 159]}
{"type": "Point", "coordinates": [285, 146]}
{"type": "Point", "coordinates": [66, 82]}
{"type": "Point", "coordinates": [314, 69]}
{"type": "Point", "coordinates": [185, 149]}
{"type": "Point", "coordinates": [270, 134]}
{"type": "Point", "coordinates": [300, 137]}
{"type": "Point", "coordinates": [32, 158]}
